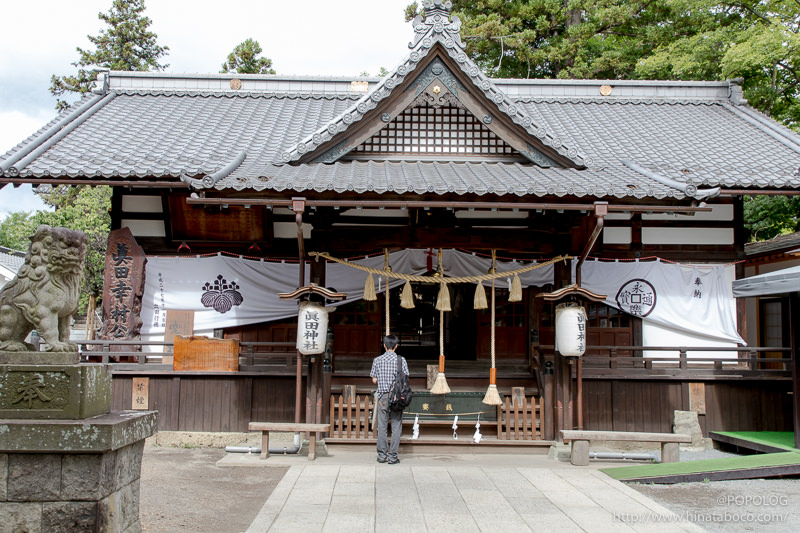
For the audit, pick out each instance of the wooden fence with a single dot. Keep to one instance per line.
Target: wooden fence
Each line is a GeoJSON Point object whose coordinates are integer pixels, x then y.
{"type": "Point", "coordinates": [518, 418]}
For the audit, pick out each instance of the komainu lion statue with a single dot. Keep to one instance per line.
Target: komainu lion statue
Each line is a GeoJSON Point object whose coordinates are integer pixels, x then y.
{"type": "Point", "coordinates": [45, 293]}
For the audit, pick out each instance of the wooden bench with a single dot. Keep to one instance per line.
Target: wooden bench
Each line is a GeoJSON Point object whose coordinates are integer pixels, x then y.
{"type": "Point", "coordinates": [288, 427]}
{"type": "Point", "coordinates": [579, 454]}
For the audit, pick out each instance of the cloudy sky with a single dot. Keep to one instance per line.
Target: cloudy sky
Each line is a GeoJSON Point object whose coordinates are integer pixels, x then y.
{"type": "Point", "coordinates": [310, 37]}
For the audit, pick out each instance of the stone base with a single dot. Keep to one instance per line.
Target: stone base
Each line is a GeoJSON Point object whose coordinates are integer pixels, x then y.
{"type": "Point", "coordinates": [73, 476]}
{"type": "Point", "coordinates": [52, 391]}
{"type": "Point", "coordinates": [39, 358]}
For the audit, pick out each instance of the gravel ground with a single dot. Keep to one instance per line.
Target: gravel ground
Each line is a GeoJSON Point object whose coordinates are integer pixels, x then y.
{"type": "Point", "coordinates": [769, 505]}
{"type": "Point", "coordinates": [182, 489]}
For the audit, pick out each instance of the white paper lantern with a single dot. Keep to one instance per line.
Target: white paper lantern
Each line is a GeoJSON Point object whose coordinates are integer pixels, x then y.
{"type": "Point", "coordinates": [570, 330]}
{"type": "Point", "coordinates": [312, 328]}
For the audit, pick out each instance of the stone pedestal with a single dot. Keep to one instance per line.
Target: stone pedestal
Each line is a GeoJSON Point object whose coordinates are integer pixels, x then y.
{"type": "Point", "coordinates": [41, 391]}
{"type": "Point", "coordinates": [73, 475]}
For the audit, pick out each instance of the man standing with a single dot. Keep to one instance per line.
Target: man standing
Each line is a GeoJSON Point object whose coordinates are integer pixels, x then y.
{"type": "Point", "coordinates": [384, 370]}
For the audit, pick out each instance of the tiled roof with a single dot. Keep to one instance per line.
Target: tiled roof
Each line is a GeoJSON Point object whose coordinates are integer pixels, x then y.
{"type": "Point", "coordinates": [781, 243]}
{"type": "Point", "coordinates": [637, 138]}
{"type": "Point", "coordinates": [11, 259]}
{"type": "Point", "coordinates": [166, 134]}
{"type": "Point", "coordinates": [439, 29]}
{"type": "Point", "coordinates": [480, 178]}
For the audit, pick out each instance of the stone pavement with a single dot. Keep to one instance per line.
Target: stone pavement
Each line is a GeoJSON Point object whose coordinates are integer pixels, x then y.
{"type": "Point", "coordinates": [348, 491]}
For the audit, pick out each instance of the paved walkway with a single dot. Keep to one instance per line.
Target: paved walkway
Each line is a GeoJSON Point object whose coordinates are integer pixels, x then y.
{"type": "Point", "coordinates": [350, 492]}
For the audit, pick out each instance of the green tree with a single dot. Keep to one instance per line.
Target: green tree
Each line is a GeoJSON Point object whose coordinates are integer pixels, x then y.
{"type": "Point", "coordinates": [245, 60]}
{"type": "Point", "coordinates": [769, 216]}
{"type": "Point", "coordinates": [126, 44]}
{"type": "Point", "coordinates": [557, 38]}
{"type": "Point", "coordinates": [15, 230]}
{"type": "Point", "coordinates": [757, 40]}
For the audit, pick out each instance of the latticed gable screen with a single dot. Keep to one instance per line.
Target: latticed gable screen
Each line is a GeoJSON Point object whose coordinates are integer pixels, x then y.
{"type": "Point", "coordinates": [436, 130]}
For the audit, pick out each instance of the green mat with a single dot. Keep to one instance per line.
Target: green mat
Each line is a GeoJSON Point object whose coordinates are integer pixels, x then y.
{"type": "Point", "coordinates": [706, 465]}
{"type": "Point", "coordinates": [778, 439]}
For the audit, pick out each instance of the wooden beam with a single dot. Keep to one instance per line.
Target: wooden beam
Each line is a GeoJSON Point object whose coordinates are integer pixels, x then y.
{"type": "Point", "coordinates": [540, 243]}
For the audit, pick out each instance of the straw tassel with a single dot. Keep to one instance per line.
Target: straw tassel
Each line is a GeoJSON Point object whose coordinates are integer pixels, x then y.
{"type": "Point", "coordinates": [516, 290]}
{"type": "Point", "coordinates": [440, 385]}
{"type": "Point", "coordinates": [443, 301]}
{"type": "Point", "coordinates": [407, 297]}
{"type": "Point", "coordinates": [480, 297]}
{"type": "Point", "coordinates": [492, 396]}
{"type": "Point", "coordinates": [369, 289]}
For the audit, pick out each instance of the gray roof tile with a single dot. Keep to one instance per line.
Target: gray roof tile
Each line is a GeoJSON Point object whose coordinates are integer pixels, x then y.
{"type": "Point", "coordinates": [164, 126]}
{"type": "Point", "coordinates": [166, 134]}
{"type": "Point", "coordinates": [11, 259]}
{"type": "Point", "coordinates": [781, 243]}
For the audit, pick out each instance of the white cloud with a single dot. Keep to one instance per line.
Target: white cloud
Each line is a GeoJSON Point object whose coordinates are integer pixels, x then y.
{"type": "Point", "coordinates": [15, 126]}
{"type": "Point", "coordinates": [20, 198]}
{"type": "Point", "coordinates": [312, 37]}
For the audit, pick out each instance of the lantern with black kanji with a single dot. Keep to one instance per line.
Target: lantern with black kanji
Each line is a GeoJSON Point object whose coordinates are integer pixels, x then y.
{"type": "Point", "coordinates": [570, 329]}
{"type": "Point", "coordinates": [312, 328]}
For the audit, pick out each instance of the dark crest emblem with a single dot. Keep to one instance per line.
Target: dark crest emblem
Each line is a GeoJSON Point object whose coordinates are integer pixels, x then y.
{"type": "Point", "coordinates": [222, 296]}
{"type": "Point", "coordinates": [637, 297]}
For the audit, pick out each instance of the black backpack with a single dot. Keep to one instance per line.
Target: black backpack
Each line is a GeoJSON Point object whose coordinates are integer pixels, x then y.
{"type": "Point", "coordinates": [400, 392]}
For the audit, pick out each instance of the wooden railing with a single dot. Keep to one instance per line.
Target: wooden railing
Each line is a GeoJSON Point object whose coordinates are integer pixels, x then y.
{"type": "Point", "coordinates": [639, 362]}
{"type": "Point", "coordinates": [521, 418]}
{"type": "Point", "coordinates": [253, 356]}
{"type": "Point", "coordinates": [351, 416]}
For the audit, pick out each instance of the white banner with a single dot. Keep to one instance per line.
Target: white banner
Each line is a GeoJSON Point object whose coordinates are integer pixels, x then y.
{"type": "Point", "coordinates": [232, 291]}
{"type": "Point", "coordinates": [696, 299]}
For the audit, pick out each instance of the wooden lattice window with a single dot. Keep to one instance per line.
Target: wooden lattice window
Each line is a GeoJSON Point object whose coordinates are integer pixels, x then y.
{"type": "Point", "coordinates": [436, 130]}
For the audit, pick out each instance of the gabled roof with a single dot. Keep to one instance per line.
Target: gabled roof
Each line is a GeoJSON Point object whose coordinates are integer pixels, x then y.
{"type": "Point", "coordinates": [623, 139]}
{"type": "Point", "coordinates": [437, 39]}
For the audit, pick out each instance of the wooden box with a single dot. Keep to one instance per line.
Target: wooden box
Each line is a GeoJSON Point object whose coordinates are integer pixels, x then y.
{"type": "Point", "coordinates": [203, 353]}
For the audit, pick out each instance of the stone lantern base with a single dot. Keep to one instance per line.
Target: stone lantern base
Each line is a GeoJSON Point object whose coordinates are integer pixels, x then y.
{"type": "Point", "coordinates": [73, 475]}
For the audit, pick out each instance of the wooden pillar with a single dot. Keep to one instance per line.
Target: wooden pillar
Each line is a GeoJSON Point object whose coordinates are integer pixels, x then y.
{"type": "Point", "coordinates": [794, 337]}
{"type": "Point", "coordinates": [562, 375]}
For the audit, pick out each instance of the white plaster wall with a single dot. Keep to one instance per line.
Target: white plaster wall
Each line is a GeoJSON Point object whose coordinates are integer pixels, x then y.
{"type": "Point", "coordinates": [723, 236]}
{"type": "Point", "coordinates": [144, 228]}
{"type": "Point", "coordinates": [141, 204]}
{"type": "Point", "coordinates": [616, 235]}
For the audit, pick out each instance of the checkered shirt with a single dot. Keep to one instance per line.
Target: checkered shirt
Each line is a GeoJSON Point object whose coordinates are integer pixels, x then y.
{"type": "Point", "coordinates": [384, 367]}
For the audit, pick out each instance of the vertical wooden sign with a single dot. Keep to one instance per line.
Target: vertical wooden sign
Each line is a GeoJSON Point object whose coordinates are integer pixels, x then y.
{"type": "Point", "coordinates": [141, 394]}
{"type": "Point", "coordinates": [178, 323]}
{"type": "Point", "coordinates": [123, 287]}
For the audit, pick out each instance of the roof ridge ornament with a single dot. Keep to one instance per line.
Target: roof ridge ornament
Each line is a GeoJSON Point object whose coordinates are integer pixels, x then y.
{"type": "Point", "coordinates": [437, 24]}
